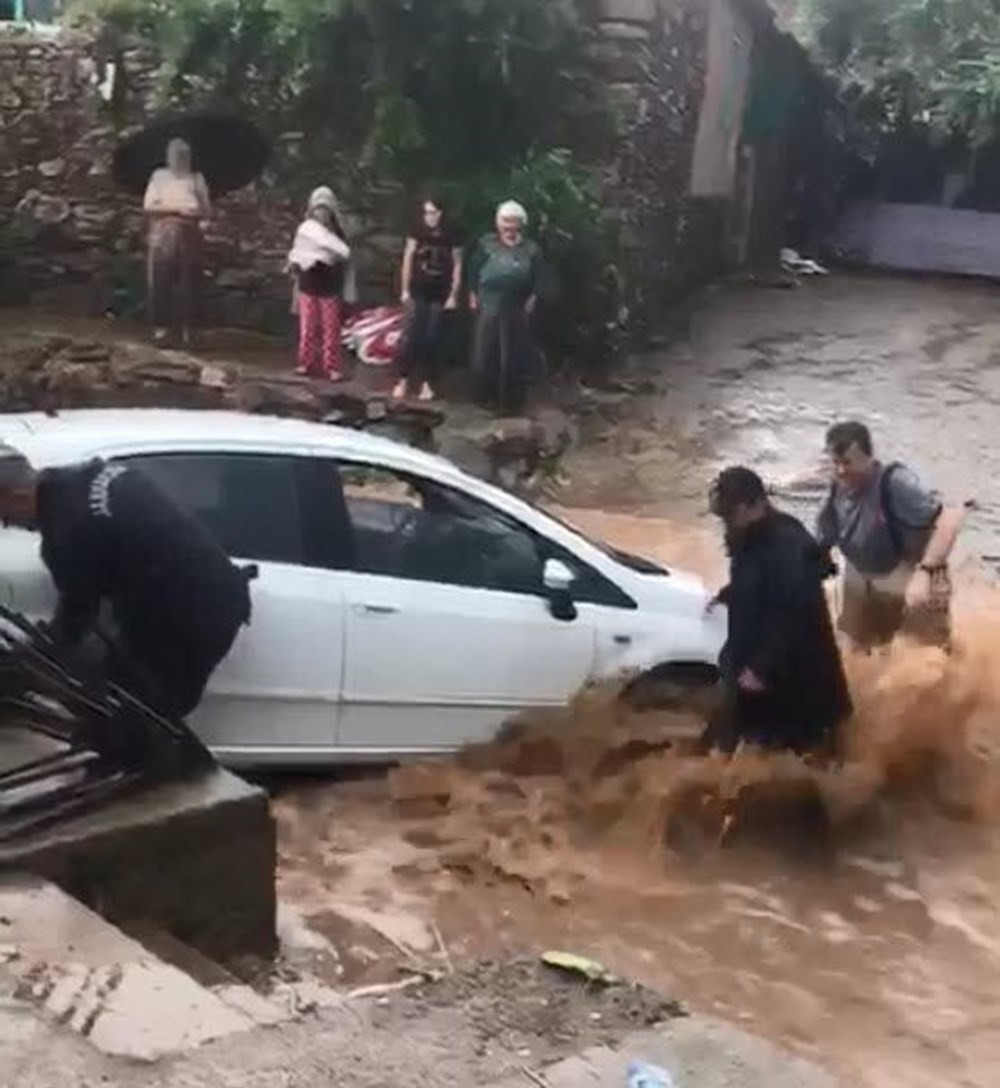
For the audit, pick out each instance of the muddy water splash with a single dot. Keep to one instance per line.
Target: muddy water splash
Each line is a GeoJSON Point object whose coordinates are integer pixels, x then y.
{"type": "Point", "coordinates": [848, 912]}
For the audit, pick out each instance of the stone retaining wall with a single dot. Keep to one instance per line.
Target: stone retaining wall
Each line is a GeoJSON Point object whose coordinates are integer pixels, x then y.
{"type": "Point", "coordinates": [69, 239]}
{"type": "Point", "coordinates": [72, 241]}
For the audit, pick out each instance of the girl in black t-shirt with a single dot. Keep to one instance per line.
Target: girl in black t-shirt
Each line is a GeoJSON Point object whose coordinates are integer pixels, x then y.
{"type": "Point", "coordinates": [431, 279]}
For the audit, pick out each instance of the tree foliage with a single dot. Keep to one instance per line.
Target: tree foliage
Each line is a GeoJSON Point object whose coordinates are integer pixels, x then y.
{"type": "Point", "coordinates": [453, 84]}
{"type": "Point", "coordinates": [904, 61]}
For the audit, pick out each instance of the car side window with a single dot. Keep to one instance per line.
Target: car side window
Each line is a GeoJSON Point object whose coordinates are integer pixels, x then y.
{"type": "Point", "coordinates": [249, 502]}
{"type": "Point", "coordinates": [417, 529]}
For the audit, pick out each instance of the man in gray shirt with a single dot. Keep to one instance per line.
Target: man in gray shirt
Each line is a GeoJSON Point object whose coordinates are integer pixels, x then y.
{"type": "Point", "coordinates": [895, 537]}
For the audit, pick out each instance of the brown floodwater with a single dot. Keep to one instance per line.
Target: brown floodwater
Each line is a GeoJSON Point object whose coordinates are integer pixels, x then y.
{"type": "Point", "coordinates": [866, 937]}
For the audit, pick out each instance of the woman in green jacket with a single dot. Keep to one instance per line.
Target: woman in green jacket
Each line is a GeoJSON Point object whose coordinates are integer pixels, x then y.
{"type": "Point", "coordinates": [503, 288]}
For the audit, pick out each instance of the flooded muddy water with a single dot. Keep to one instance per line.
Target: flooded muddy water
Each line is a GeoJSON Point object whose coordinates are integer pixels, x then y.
{"type": "Point", "coordinates": [869, 941]}
{"type": "Point", "coordinates": [863, 932]}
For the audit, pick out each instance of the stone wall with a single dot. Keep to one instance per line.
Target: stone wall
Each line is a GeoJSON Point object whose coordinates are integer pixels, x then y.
{"type": "Point", "coordinates": [655, 54]}
{"type": "Point", "coordinates": [69, 238]}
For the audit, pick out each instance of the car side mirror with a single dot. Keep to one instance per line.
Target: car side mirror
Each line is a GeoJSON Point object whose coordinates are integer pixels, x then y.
{"type": "Point", "coordinates": [558, 580]}
{"type": "Point", "coordinates": [557, 577]}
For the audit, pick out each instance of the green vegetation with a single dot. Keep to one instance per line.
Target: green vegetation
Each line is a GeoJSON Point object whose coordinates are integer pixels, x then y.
{"type": "Point", "coordinates": [935, 62]}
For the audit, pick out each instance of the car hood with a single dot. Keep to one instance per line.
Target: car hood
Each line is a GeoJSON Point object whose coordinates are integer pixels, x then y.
{"type": "Point", "coordinates": [681, 591]}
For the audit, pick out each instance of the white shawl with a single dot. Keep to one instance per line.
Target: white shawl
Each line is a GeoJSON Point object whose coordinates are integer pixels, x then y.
{"type": "Point", "coordinates": [315, 244]}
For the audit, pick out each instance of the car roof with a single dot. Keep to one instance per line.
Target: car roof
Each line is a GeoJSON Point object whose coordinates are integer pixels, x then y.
{"type": "Point", "coordinates": [69, 437]}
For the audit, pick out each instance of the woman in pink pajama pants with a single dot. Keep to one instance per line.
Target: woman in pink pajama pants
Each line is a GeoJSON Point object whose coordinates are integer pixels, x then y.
{"type": "Point", "coordinates": [319, 261]}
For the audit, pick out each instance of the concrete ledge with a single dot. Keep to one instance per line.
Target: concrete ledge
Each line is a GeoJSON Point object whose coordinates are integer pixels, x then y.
{"type": "Point", "coordinates": [698, 1052]}
{"type": "Point", "coordinates": [79, 971]}
{"type": "Point", "coordinates": [194, 858]}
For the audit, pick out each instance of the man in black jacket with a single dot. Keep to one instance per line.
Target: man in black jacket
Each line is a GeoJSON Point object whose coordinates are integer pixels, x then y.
{"type": "Point", "coordinates": [111, 536]}
{"type": "Point", "coordinates": [782, 675]}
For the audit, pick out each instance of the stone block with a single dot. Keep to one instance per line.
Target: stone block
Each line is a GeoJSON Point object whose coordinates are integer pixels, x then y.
{"type": "Point", "coordinates": [195, 858]}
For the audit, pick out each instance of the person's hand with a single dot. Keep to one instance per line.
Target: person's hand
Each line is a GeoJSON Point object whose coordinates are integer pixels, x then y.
{"type": "Point", "coordinates": [529, 306]}
{"type": "Point", "coordinates": [405, 298]}
{"type": "Point", "coordinates": [473, 303]}
{"type": "Point", "coordinates": [750, 682]}
{"type": "Point", "coordinates": [918, 591]}
{"type": "Point", "coordinates": [451, 303]}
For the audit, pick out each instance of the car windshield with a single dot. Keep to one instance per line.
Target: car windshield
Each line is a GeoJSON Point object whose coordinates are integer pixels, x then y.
{"type": "Point", "coordinates": [637, 563]}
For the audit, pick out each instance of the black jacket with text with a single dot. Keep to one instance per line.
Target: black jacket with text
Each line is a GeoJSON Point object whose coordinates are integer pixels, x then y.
{"type": "Point", "coordinates": [110, 534]}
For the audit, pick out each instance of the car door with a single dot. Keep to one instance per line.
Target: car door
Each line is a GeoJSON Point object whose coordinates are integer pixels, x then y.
{"type": "Point", "coordinates": [275, 697]}
{"type": "Point", "coordinates": [448, 630]}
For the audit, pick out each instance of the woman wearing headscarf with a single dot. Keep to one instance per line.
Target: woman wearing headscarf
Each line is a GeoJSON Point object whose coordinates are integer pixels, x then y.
{"type": "Point", "coordinates": [431, 280]}
{"type": "Point", "coordinates": [503, 289]}
{"type": "Point", "coordinates": [320, 263]}
{"type": "Point", "coordinates": [176, 204]}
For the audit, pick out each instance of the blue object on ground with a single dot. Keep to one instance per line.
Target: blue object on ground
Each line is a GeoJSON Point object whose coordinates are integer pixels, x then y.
{"type": "Point", "coordinates": [643, 1075]}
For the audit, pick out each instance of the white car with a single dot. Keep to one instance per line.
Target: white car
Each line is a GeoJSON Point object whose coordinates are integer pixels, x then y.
{"type": "Point", "coordinates": [402, 607]}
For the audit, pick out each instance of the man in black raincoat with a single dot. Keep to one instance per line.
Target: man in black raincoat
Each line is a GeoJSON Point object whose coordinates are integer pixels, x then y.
{"type": "Point", "coordinates": [111, 537]}
{"type": "Point", "coordinates": [782, 676]}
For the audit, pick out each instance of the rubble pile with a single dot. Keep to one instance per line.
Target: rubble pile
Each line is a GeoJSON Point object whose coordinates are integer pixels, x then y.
{"type": "Point", "coordinates": [52, 372]}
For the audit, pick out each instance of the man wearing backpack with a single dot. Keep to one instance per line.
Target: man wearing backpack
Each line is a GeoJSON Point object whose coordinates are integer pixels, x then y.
{"type": "Point", "coordinates": [895, 537]}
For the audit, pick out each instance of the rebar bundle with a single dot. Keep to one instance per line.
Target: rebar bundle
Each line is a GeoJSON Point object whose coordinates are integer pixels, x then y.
{"type": "Point", "coordinates": [103, 740]}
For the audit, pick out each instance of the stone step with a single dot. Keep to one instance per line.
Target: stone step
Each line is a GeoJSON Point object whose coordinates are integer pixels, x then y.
{"type": "Point", "coordinates": [81, 972]}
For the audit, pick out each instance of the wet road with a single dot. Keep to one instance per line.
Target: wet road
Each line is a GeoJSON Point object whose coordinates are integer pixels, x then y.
{"type": "Point", "coordinates": [764, 372]}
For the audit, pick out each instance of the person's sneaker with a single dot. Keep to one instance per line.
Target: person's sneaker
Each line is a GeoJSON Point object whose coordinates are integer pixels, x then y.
{"type": "Point", "coordinates": [399, 390]}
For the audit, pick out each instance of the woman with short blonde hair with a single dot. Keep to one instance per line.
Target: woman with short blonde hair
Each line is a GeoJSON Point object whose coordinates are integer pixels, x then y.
{"type": "Point", "coordinates": [503, 293]}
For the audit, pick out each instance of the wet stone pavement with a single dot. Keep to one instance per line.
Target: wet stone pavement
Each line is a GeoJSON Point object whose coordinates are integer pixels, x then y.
{"type": "Point", "coordinates": [762, 372]}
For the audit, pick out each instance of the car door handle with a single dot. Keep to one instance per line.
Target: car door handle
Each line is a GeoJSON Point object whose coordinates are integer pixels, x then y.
{"type": "Point", "coordinates": [375, 610]}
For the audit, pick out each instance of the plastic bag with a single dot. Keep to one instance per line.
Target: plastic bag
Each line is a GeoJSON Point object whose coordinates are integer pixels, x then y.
{"type": "Point", "coordinates": [644, 1075]}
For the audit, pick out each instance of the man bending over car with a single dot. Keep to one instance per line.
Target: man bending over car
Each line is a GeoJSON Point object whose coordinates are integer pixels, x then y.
{"type": "Point", "coordinates": [111, 537]}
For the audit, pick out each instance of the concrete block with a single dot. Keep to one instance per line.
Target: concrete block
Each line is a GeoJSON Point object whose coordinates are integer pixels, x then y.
{"type": "Point", "coordinates": [81, 972]}
{"type": "Point", "coordinates": [196, 859]}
